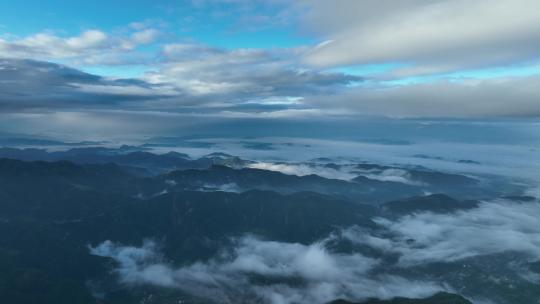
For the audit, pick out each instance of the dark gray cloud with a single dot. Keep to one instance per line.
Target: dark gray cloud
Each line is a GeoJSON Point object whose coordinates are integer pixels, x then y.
{"type": "Point", "coordinates": [254, 83]}
{"type": "Point", "coordinates": [216, 81]}
{"type": "Point", "coordinates": [28, 84]}
{"type": "Point", "coordinates": [37, 96]}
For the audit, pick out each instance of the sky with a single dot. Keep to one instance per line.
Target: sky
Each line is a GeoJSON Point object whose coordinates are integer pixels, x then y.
{"type": "Point", "coordinates": [91, 69]}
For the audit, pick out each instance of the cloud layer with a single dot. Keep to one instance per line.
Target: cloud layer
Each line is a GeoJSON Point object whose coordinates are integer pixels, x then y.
{"type": "Point", "coordinates": [304, 169]}
{"type": "Point", "coordinates": [160, 72]}
{"type": "Point", "coordinates": [492, 228]}
{"type": "Point", "coordinates": [324, 276]}
{"type": "Point", "coordinates": [498, 238]}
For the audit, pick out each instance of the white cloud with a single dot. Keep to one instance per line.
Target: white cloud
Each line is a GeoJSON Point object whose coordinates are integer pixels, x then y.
{"type": "Point", "coordinates": [87, 39]}
{"type": "Point", "coordinates": [304, 169]}
{"type": "Point", "coordinates": [534, 192]}
{"type": "Point", "coordinates": [226, 278]}
{"type": "Point", "coordinates": [493, 227]}
{"type": "Point", "coordinates": [344, 172]}
{"type": "Point", "coordinates": [89, 47]}
{"type": "Point", "coordinates": [393, 175]}
{"type": "Point", "coordinates": [144, 36]}
{"type": "Point", "coordinates": [247, 82]}
{"type": "Point", "coordinates": [137, 264]}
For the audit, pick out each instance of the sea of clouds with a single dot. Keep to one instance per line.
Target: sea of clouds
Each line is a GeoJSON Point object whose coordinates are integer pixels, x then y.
{"type": "Point", "coordinates": [316, 273]}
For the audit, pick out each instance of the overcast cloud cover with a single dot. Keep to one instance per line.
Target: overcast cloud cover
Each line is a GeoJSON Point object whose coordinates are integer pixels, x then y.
{"type": "Point", "coordinates": [431, 36]}
{"type": "Point", "coordinates": [444, 58]}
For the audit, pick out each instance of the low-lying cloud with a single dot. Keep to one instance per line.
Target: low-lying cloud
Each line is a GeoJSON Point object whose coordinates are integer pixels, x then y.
{"type": "Point", "coordinates": [492, 228]}
{"type": "Point", "coordinates": [229, 187]}
{"type": "Point", "coordinates": [321, 275]}
{"type": "Point", "coordinates": [320, 272]}
{"type": "Point", "coordinates": [393, 175]}
{"type": "Point", "coordinates": [342, 172]}
{"type": "Point", "coordinates": [304, 169]}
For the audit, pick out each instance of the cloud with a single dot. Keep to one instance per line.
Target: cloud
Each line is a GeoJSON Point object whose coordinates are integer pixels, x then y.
{"type": "Point", "coordinates": [242, 74]}
{"type": "Point", "coordinates": [137, 263]}
{"type": "Point", "coordinates": [423, 37]}
{"type": "Point", "coordinates": [535, 192]}
{"type": "Point", "coordinates": [512, 97]}
{"type": "Point", "coordinates": [229, 187]}
{"type": "Point", "coordinates": [144, 36]}
{"type": "Point", "coordinates": [231, 276]}
{"type": "Point", "coordinates": [343, 172]}
{"type": "Point", "coordinates": [29, 84]}
{"type": "Point", "coordinates": [90, 47]}
{"type": "Point", "coordinates": [393, 175]}
{"type": "Point", "coordinates": [198, 78]}
{"type": "Point", "coordinates": [499, 238]}
{"type": "Point", "coordinates": [87, 40]}
{"type": "Point", "coordinates": [492, 228]}
{"type": "Point", "coordinates": [242, 82]}
{"type": "Point", "coordinates": [304, 169]}
{"type": "Point", "coordinates": [438, 36]}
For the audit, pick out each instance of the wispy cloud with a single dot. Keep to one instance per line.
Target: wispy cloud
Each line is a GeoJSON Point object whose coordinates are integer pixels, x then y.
{"type": "Point", "coordinates": [393, 175]}
{"type": "Point", "coordinates": [304, 169]}
{"type": "Point", "coordinates": [492, 228]}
